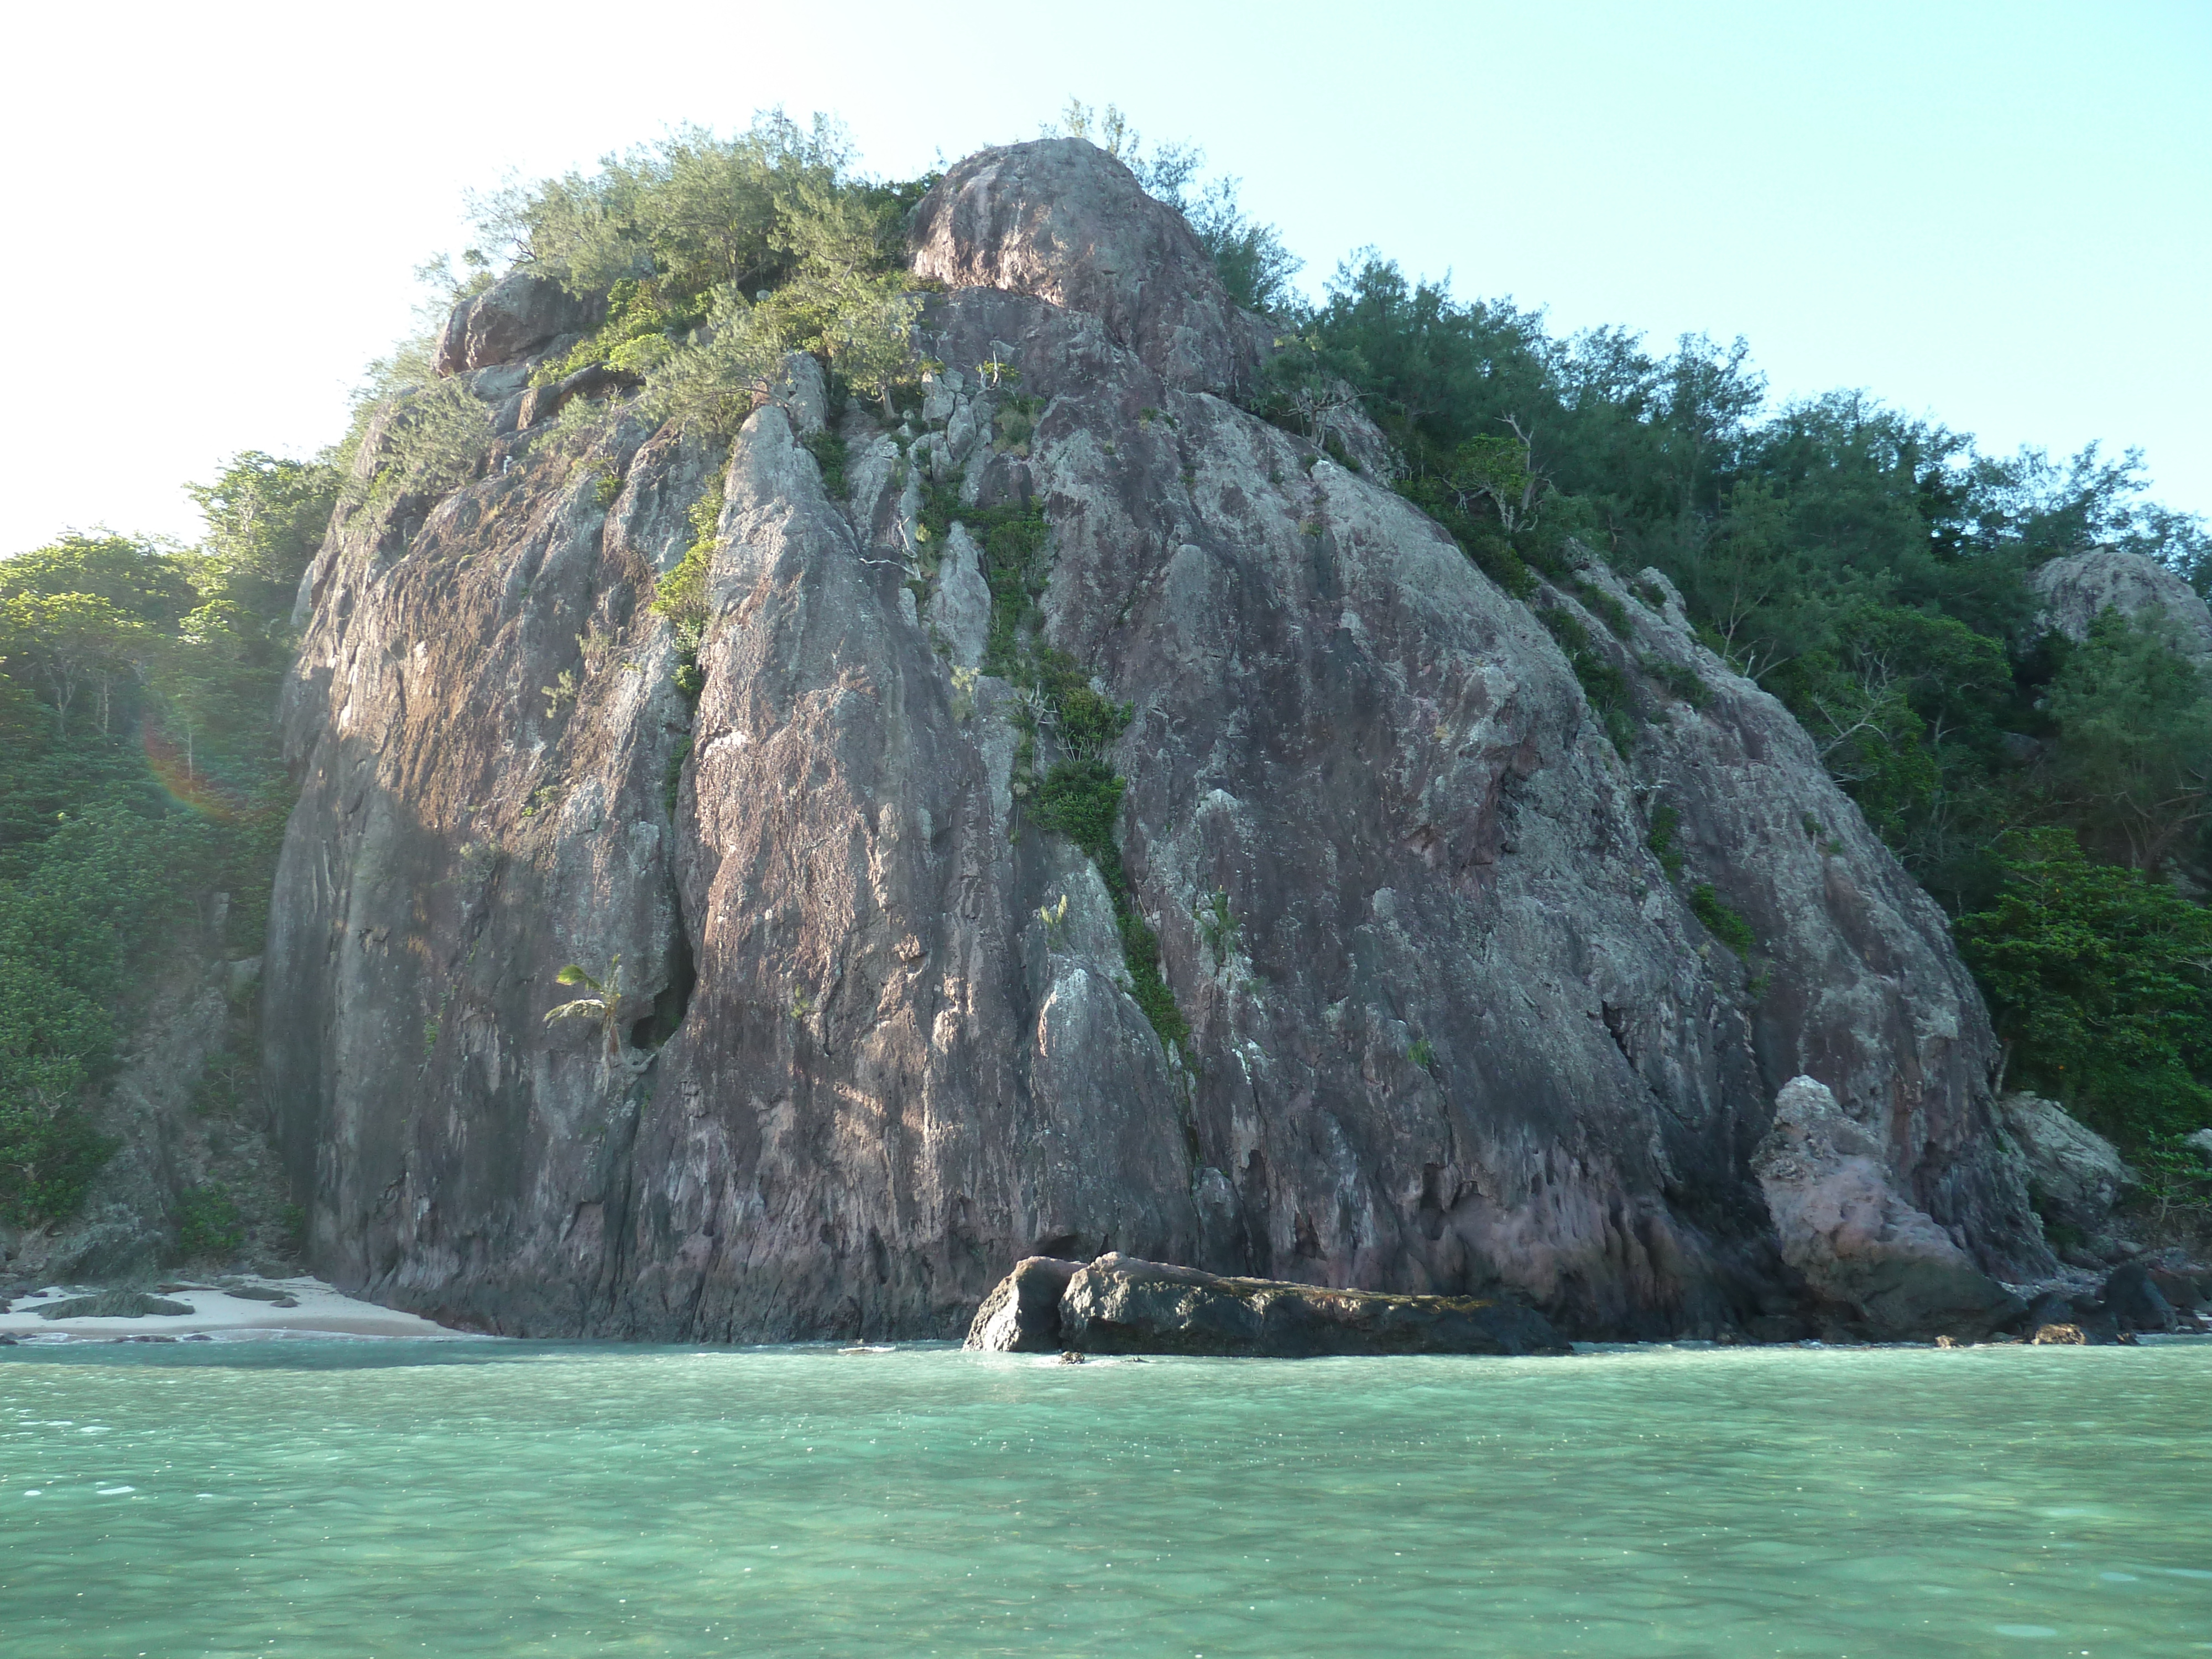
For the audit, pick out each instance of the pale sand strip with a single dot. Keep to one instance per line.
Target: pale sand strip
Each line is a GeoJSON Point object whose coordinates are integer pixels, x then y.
{"type": "Point", "coordinates": [322, 1312]}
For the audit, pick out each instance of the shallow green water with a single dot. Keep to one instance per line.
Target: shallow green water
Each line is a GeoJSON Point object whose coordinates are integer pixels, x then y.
{"type": "Point", "coordinates": [335, 1500]}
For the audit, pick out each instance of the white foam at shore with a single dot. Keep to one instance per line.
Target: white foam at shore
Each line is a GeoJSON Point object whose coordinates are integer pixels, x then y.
{"type": "Point", "coordinates": [219, 1316]}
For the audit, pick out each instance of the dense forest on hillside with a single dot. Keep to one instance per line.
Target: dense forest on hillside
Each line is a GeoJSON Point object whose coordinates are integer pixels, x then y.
{"type": "Point", "coordinates": [1868, 567]}
{"type": "Point", "coordinates": [139, 777]}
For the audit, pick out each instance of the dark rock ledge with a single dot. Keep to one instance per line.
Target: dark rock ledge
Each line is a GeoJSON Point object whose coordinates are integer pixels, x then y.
{"type": "Point", "coordinates": [1120, 1304]}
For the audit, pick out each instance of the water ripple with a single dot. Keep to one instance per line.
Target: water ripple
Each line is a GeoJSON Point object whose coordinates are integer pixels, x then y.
{"type": "Point", "coordinates": [568, 1499]}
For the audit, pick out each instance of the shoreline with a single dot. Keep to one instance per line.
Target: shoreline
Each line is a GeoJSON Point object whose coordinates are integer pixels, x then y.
{"type": "Point", "coordinates": [218, 1313]}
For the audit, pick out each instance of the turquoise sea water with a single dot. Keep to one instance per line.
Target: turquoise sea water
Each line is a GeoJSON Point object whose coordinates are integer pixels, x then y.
{"type": "Point", "coordinates": [329, 1499]}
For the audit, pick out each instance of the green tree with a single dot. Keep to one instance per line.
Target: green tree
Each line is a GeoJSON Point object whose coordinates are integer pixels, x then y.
{"type": "Point", "coordinates": [75, 645]}
{"type": "Point", "coordinates": [2100, 982]}
{"type": "Point", "coordinates": [721, 258]}
{"type": "Point", "coordinates": [136, 578]}
{"type": "Point", "coordinates": [265, 518]}
{"type": "Point", "coordinates": [2132, 761]}
{"type": "Point", "coordinates": [106, 886]}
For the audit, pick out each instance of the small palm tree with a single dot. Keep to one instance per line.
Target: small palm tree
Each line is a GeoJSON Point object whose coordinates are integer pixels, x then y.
{"type": "Point", "coordinates": [605, 1008]}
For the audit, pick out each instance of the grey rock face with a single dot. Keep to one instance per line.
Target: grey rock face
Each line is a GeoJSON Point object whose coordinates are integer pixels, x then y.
{"type": "Point", "coordinates": [1452, 1027]}
{"type": "Point", "coordinates": [1060, 220]}
{"type": "Point", "coordinates": [513, 317]}
{"type": "Point", "coordinates": [1022, 1313]}
{"type": "Point", "coordinates": [960, 608]}
{"type": "Point", "coordinates": [1851, 976]}
{"type": "Point", "coordinates": [1856, 1241]}
{"type": "Point", "coordinates": [2134, 1302]}
{"type": "Point", "coordinates": [2073, 589]}
{"type": "Point", "coordinates": [2076, 1174]}
{"type": "Point", "coordinates": [1118, 1305]}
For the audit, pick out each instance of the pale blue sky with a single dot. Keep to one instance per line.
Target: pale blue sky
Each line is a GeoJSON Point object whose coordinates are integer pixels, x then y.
{"type": "Point", "coordinates": [2000, 214]}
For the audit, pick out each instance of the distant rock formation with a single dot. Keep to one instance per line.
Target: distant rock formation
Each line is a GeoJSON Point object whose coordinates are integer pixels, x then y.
{"type": "Point", "coordinates": [1454, 1025]}
{"type": "Point", "coordinates": [2073, 589]}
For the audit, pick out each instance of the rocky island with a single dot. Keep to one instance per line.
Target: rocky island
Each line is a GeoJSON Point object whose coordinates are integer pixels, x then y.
{"type": "Point", "coordinates": [1443, 1022]}
{"type": "Point", "coordinates": [1068, 802]}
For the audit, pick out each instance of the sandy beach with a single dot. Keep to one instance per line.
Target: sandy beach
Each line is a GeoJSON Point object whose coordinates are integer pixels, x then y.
{"type": "Point", "coordinates": [218, 1313]}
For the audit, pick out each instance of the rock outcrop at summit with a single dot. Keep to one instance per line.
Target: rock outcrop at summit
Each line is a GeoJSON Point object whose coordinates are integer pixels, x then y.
{"type": "Point", "coordinates": [2077, 587]}
{"type": "Point", "coordinates": [1454, 1025]}
{"type": "Point", "coordinates": [516, 315]}
{"type": "Point", "coordinates": [1033, 220]}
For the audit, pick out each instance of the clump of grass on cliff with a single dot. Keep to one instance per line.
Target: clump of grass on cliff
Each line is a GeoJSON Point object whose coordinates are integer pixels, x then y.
{"type": "Point", "coordinates": [720, 257]}
{"type": "Point", "coordinates": [681, 595]}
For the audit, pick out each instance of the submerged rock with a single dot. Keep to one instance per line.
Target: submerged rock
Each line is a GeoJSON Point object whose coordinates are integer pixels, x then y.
{"type": "Point", "coordinates": [1118, 1305]}
{"type": "Point", "coordinates": [1856, 1239]}
{"type": "Point", "coordinates": [112, 1304]}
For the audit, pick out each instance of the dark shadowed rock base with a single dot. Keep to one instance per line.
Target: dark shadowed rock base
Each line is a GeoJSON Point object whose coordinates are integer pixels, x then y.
{"type": "Point", "coordinates": [1119, 1304]}
{"type": "Point", "coordinates": [1022, 1313]}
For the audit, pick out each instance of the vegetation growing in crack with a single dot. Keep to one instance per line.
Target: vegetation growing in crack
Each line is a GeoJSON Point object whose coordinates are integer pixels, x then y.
{"type": "Point", "coordinates": [827, 448]}
{"type": "Point", "coordinates": [1604, 685]}
{"type": "Point", "coordinates": [1665, 825]}
{"type": "Point", "coordinates": [609, 1007]}
{"type": "Point", "coordinates": [681, 595]}
{"type": "Point", "coordinates": [1721, 921]}
{"type": "Point", "coordinates": [1080, 796]}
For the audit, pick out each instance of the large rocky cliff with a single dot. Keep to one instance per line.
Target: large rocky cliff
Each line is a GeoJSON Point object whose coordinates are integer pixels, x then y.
{"type": "Point", "coordinates": [1453, 1023]}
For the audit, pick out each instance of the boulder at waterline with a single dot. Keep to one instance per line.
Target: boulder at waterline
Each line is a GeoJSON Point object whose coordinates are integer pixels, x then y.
{"type": "Point", "coordinates": [2076, 1176]}
{"type": "Point", "coordinates": [112, 1304]}
{"type": "Point", "coordinates": [2134, 1302]}
{"type": "Point", "coordinates": [1022, 1313]}
{"type": "Point", "coordinates": [1119, 1304]}
{"type": "Point", "coordinates": [1859, 1244]}
{"type": "Point", "coordinates": [2185, 1291]}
